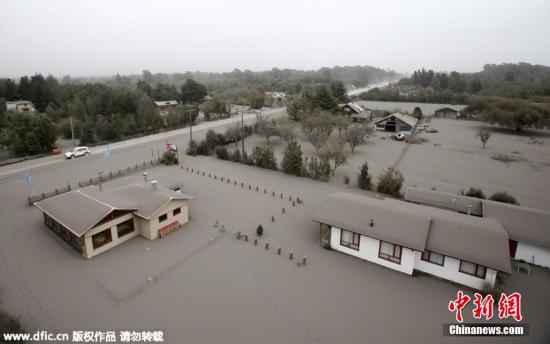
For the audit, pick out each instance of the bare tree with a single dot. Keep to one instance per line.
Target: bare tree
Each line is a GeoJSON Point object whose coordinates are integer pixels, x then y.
{"type": "Point", "coordinates": [317, 127]}
{"type": "Point", "coordinates": [341, 123]}
{"type": "Point", "coordinates": [267, 129]}
{"type": "Point", "coordinates": [484, 135]}
{"type": "Point", "coordinates": [334, 150]}
{"type": "Point", "coordinates": [286, 130]}
{"type": "Point", "coordinates": [355, 135]}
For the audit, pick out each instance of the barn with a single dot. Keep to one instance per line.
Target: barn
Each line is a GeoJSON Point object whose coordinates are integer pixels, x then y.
{"type": "Point", "coordinates": [447, 112]}
{"type": "Point", "coordinates": [396, 122]}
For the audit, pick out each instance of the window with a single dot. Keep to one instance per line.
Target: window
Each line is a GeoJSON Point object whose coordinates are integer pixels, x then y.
{"type": "Point", "coordinates": [176, 211]}
{"type": "Point", "coordinates": [389, 251]}
{"type": "Point", "coordinates": [163, 218]}
{"type": "Point", "coordinates": [350, 239]}
{"type": "Point", "coordinates": [101, 238]}
{"type": "Point", "coordinates": [433, 257]}
{"type": "Point", "coordinates": [125, 227]}
{"type": "Point", "coordinates": [472, 269]}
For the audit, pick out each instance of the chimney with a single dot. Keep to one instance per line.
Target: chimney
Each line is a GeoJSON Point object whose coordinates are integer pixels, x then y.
{"type": "Point", "coordinates": [154, 185]}
{"type": "Point", "coordinates": [145, 175]}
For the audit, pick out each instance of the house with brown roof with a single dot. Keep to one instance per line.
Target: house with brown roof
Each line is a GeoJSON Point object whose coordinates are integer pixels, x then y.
{"type": "Point", "coordinates": [403, 236]}
{"type": "Point", "coordinates": [396, 122]}
{"type": "Point", "coordinates": [447, 112]}
{"type": "Point", "coordinates": [528, 229]}
{"type": "Point", "coordinates": [93, 220]}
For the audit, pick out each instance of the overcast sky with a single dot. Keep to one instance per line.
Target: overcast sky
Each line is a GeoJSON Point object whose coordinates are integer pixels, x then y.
{"type": "Point", "coordinates": [88, 38]}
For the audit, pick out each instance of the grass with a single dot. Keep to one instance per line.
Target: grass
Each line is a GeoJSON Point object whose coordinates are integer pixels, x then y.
{"type": "Point", "coordinates": [9, 324]}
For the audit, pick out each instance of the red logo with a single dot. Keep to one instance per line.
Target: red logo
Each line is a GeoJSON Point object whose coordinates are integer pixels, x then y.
{"type": "Point", "coordinates": [508, 306]}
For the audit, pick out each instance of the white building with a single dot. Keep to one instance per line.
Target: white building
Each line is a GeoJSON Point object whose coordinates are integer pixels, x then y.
{"type": "Point", "coordinates": [528, 229]}
{"type": "Point", "coordinates": [402, 236]}
{"type": "Point", "coordinates": [20, 106]}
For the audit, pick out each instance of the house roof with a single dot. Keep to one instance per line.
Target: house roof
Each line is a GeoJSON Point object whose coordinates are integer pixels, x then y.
{"type": "Point", "coordinates": [365, 114]}
{"type": "Point", "coordinates": [80, 210]}
{"type": "Point", "coordinates": [355, 107]}
{"type": "Point", "coordinates": [444, 200]}
{"type": "Point", "coordinates": [396, 224]}
{"type": "Point", "coordinates": [446, 109]}
{"type": "Point", "coordinates": [523, 224]}
{"type": "Point", "coordinates": [166, 102]}
{"type": "Point", "coordinates": [474, 239]}
{"type": "Point", "coordinates": [409, 120]}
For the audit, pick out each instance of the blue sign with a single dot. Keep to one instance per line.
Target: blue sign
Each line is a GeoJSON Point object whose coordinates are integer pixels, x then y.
{"type": "Point", "coordinates": [107, 153]}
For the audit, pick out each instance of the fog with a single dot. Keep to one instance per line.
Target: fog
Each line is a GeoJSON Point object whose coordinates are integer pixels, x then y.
{"type": "Point", "coordinates": [95, 38]}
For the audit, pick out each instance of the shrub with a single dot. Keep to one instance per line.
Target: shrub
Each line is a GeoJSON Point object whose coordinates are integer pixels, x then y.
{"type": "Point", "coordinates": [318, 169]}
{"type": "Point", "coordinates": [247, 159]}
{"type": "Point", "coordinates": [364, 178]}
{"type": "Point", "coordinates": [235, 155]}
{"type": "Point", "coordinates": [264, 157]}
{"type": "Point", "coordinates": [475, 192]}
{"type": "Point", "coordinates": [192, 149]}
{"type": "Point", "coordinates": [260, 230]}
{"type": "Point", "coordinates": [504, 197]}
{"type": "Point", "coordinates": [203, 148]}
{"type": "Point", "coordinates": [346, 180]}
{"type": "Point", "coordinates": [292, 160]}
{"type": "Point", "coordinates": [390, 181]}
{"type": "Point", "coordinates": [169, 158]}
{"type": "Point", "coordinates": [221, 153]}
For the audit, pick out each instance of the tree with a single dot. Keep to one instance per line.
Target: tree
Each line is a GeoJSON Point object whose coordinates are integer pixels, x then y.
{"type": "Point", "coordinates": [192, 92]}
{"type": "Point", "coordinates": [364, 178]}
{"type": "Point", "coordinates": [266, 129]}
{"type": "Point", "coordinates": [256, 99]}
{"type": "Point", "coordinates": [87, 133]}
{"type": "Point", "coordinates": [292, 159]}
{"type": "Point", "coordinates": [333, 151]}
{"type": "Point", "coordinates": [317, 127]}
{"type": "Point", "coordinates": [475, 192]}
{"type": "Point", "coordinates": [234, 133]}
{"type": "Point", "coordinates": [147, 115]}
{"type": "Point", "coordinates": [30, 133]}
{"type": "Point", "coordinates": [169, 158]}
{"type": "Point", "coordinates": [298, 108]}
{"type": "Point", "coordinates": [212, 107]}
{"type": "Point", "coordinates": [192, 149]}
{"type": "Point", "coordinates": [324, 100]}
{"type": "Point", "coordinates": [417, 113]}
{"type": "Point", "coordinates": [390, 182]}
{"type": "Point", "coordinates": [484, 135]}
{"type": "Point", "coordinates": [341, 123]}
{"type": "Point", "coordinates": [286, 130]}
{"type": "Point", "coordinates": [504, 197]}
{"type": "Point", "coordinates": [339, 91]}
{"type": "Point", "coordinates": [355, 135]}
{"type": "Point", "coordinates": [264, 157]}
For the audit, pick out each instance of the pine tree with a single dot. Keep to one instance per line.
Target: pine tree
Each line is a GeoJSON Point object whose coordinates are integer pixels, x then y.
{"type": "Point", "coordinates": [292, 160]}
{"type": "Point", "coordinates": [364, 178]}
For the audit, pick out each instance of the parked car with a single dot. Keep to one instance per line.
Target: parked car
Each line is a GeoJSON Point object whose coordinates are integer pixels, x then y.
{"type": "Point", "coordinates": [76, 152]}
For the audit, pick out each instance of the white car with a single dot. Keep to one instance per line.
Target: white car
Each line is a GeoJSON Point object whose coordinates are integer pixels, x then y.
{"type": "Point", "coordinates": [76, 152]}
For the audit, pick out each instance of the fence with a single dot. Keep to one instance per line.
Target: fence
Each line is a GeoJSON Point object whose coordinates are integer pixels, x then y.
{"type": "Point", "coordinates": [92, 181]}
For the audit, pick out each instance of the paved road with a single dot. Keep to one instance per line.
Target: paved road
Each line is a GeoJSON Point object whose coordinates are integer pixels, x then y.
{"type": "Point", "coordinates": [124, 152]}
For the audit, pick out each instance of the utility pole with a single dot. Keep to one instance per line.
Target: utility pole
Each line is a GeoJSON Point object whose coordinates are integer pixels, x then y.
{"type": "Point", "coordinates": [72, 128]}
{"type": "Point", "coordinates": [242, 131]}
{"type": "Point", "coordinates": [190, 125]}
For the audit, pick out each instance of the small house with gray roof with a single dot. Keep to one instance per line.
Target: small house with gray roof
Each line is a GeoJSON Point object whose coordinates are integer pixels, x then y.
{"type": "Point", "coordinates": [528, 229]}
{"type": "Point", "coordinates": [404, 236]}
{"type": "Point", "coordinates": [93, 220]}
{"type": "Point", "coordinates": [396, 122]}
